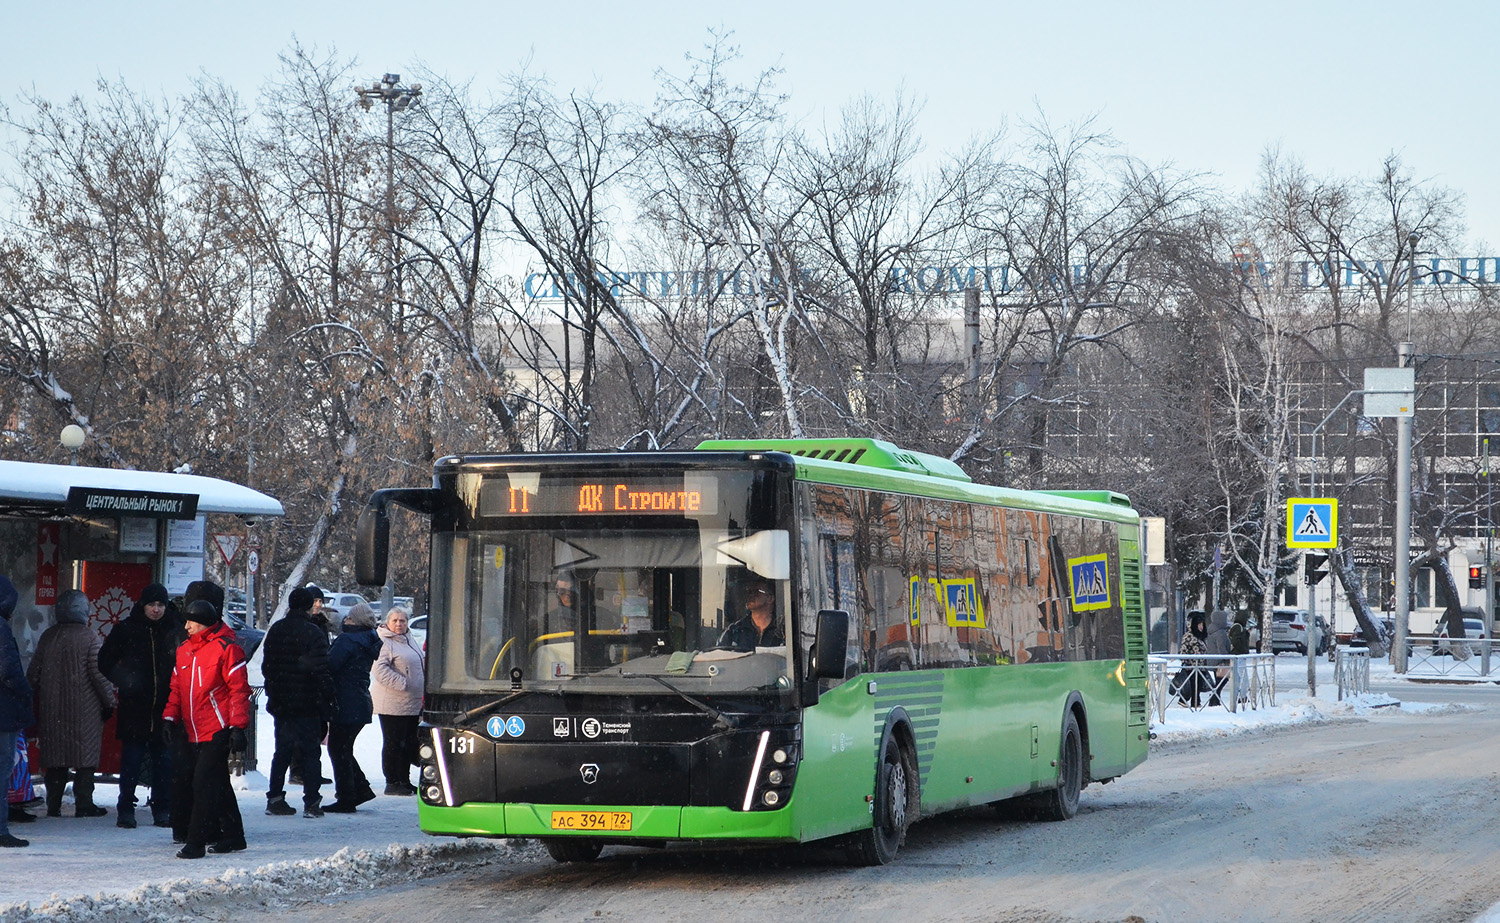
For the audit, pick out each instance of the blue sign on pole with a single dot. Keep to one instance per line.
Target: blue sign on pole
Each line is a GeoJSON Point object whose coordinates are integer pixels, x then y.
{"type": "Point", "coordinates": [1312, 522]}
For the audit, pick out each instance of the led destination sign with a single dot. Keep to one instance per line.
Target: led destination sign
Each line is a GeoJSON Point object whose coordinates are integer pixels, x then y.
{"type": "Point", "coordinates": [536, 495]}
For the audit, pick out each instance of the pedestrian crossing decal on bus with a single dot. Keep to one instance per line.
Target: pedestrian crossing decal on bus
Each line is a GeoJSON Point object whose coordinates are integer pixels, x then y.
{"type": "Point", "coordinates": [1090, 579]}
{"type": "Point", "coordinates": [961, 600]}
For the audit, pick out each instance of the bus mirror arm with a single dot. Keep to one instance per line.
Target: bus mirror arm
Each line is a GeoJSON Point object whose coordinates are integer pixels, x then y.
{"type": "Point", "coordinates": [372, 535]}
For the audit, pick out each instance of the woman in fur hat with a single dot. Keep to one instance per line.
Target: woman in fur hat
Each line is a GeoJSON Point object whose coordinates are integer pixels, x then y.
{"type": "Point", "coordinates": [73, 701]}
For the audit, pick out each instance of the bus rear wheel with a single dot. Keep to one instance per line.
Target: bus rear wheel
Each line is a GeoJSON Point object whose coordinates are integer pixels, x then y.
{"type": "Point", "coordinates": [574, 850]}
{"type": "Point", "coordinates": [1061, 803]}
{"type": "Point", "coordinates": [895, 807]}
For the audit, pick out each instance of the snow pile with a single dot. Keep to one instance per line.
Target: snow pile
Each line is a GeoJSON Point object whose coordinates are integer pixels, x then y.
{"type": "Point", "coordinates": [1182, 724]}
{"type": "Point", "coordinates": [344, 871]}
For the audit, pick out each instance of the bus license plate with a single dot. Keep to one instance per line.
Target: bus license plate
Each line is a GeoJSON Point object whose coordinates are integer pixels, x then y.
{"type": "Point", "coordinates": [590, 820]}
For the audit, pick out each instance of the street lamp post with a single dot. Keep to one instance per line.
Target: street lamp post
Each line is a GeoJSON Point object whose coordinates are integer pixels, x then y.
{"type": "Point", "coordinates": [1403, 481]}
{"type": "Point", "coordinates": [396, 99]}
{"type": "Point", "coordinates": [72, 437]}
{"type": "Point", "coordinates": [1489, 540]}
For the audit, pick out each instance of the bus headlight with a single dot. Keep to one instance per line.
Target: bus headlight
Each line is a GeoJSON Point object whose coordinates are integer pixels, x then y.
{"type": "Point", "coordinates": [775, 777]}
{"type": "Point", "coordinates": [426, 752]}
{"type": "Point", "coordinates": [434, 794]}
{"type": "Point", "coordinates": [771, 798]}
{"type": "Point", "coordinates": [429, 772]}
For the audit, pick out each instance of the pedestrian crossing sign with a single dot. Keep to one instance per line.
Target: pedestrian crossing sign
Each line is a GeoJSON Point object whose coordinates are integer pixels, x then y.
{"type": "Point", "coordinates": [1312, 522]}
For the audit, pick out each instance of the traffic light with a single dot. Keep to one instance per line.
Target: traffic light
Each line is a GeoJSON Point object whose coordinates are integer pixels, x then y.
{"type": "Point", "coordinates": [1476, 578]}
{"type": "Point", "coordinates": [1314, 567]}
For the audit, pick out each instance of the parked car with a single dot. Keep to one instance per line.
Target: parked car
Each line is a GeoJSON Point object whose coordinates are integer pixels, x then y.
{"type": "Point", "coordinates": [403, 602]}
{"type": "Point", "coordinates": [1384, 627]}
{"type": "Point", "coordinates": [1473, 631]}
{"type": "Point", "coordinates": [234, 601]}
{"type": "Point", "coordinates": [247, 636]}
{"type": "Point", "coordinates": [418, 629]}
{"type": "Point", "coordinates": [1289, 631]}
{"type": "Point", "coordinates": [337, 605]}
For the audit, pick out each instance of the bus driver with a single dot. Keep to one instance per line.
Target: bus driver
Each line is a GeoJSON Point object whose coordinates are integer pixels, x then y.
{"type": "Point", "coordinates": [760, 627]}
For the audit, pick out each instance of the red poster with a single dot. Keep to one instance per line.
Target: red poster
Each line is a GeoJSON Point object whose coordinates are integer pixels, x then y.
{"type": "Point", "coordinates": [47, 554]}
{"type": "Point", "coordinates": [112, 589]}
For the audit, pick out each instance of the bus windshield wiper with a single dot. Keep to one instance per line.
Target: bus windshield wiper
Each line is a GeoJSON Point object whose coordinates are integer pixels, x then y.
{"type": "Point", "coordinates": [722, 721]}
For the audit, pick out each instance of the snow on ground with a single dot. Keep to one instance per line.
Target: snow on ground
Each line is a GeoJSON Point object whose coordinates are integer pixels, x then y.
{"type": "Point", "coordinates": [89, 871]}
{"type": "Point", "coordinates": [1293, 705]}
{"type": "Point", "coordinates": [84, 870]}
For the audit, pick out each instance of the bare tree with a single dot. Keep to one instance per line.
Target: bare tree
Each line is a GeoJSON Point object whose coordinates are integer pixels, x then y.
{"type": "Point", "coordinates": [719, 151]}
{"type": "Point", "coordinates": [297, 180]}
{"type": "Point", "coordinates": [1078, 233]}
{"type": "Point", "coordinates": [873, 216]}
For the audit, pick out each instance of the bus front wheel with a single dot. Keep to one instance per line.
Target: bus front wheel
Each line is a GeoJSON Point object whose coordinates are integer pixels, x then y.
{"type": "Point", "coordinates": [894, 807]}
{"type": "Point", "coordinates": [574, 850]}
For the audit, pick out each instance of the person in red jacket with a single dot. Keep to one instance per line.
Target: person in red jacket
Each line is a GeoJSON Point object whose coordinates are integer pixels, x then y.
{"type": "Point", "coordinates": [209, 707]}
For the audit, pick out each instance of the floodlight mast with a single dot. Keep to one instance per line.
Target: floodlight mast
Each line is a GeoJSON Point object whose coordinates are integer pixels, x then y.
{"type": "Point", "coordinates": [397, 99]}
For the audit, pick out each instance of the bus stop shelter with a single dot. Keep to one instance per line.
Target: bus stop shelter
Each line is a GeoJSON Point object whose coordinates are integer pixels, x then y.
{"type": "Point", "coordinates": [109, 533]}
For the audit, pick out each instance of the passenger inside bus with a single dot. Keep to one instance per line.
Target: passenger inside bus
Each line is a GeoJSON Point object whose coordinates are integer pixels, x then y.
{"type": "Point", "coordinates": [562, 612]}
{"type": "Point", "coordinates": [761, 626]}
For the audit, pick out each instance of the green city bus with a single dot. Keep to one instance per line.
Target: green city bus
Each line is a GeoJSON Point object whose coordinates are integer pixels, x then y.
{"type": "Point", "coordinates": [936, 644]}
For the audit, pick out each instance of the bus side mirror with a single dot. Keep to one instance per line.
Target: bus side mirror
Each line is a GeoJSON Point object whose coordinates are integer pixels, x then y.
{"type": "Point", "coordinates": [830, 645]}
{"type": "Point", "coordinates": [372, 535]}
{"type": "Point", "coordinates": [372, 545]}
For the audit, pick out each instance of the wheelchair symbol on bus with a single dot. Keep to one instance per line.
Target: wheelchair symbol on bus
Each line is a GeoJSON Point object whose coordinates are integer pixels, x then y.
{"type": "Point", "coordinates": [498, 727]}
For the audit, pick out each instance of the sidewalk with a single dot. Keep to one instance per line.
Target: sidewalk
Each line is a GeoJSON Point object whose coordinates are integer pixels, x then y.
{"type": "Point", "coordinates": [135, 874]}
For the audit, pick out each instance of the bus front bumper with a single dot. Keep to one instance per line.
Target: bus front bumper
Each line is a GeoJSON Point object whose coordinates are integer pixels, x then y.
{"type": "Point", "coordinates": [646, 822]}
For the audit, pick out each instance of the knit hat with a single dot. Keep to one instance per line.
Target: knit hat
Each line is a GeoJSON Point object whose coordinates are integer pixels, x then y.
{"type": "Point", "coordinates": [8, 598]}
{"type": "Point", "coordinates": [301, 599]}
{"type": "Point", "coordinates": [316, 591]}
{"type": "Point", "coordinates": [203, 612]}
{"type": "Point", "coordinates": [154, 593]}
{"type": "Point", "coordinates": [361, 615]}
{"type": "Point", "coordinates": [206, 590]}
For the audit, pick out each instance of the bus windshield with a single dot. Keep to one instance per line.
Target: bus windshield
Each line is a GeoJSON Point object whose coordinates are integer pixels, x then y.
{"type": "Point", "coordinates": [606, 609]}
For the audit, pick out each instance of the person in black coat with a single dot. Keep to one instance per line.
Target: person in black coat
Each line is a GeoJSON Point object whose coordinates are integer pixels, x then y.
{"type": "Point", "coordinates": [138, 657]}
{"type": "Point", "coordinates": [299, 696]}
{"type": "Point", "coordinates": [350, 659]}
{"type": "Point", "coordinates": [15, 701]}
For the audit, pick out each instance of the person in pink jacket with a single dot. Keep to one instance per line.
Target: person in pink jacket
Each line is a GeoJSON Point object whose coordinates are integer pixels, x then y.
{"type": "Point", "coordinates": [396, 696]}
{"type": "Point", "coordinates": [207, 712]}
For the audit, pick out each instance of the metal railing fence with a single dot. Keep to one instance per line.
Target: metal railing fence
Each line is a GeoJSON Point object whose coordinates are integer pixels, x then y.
{"type": "Point", "coordinates": [1198, 681]}
{"type": "Point", "coordinates": [1351, 671]}
{"type": "Point", "coordinates": [1442, 657]}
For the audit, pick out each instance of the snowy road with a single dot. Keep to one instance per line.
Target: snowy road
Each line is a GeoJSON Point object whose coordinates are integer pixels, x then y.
{"type": "Point", "coordinates": [1360, 820]}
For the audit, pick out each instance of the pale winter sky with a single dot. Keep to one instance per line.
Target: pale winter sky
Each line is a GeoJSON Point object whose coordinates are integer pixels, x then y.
{"type": "Point", "coordinates": [1207, 87]}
